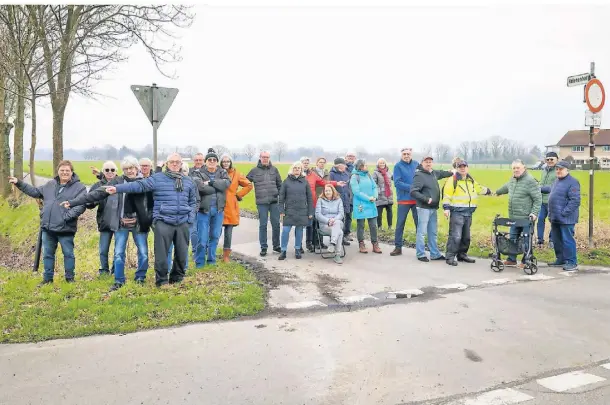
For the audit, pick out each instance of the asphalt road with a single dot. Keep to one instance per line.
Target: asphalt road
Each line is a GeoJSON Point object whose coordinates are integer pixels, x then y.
{"type": "Point", "coordinates": [338, 335]}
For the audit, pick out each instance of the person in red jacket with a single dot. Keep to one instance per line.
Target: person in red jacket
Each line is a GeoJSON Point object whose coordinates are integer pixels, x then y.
{"type": "Point", "coordinates": [314, 180]}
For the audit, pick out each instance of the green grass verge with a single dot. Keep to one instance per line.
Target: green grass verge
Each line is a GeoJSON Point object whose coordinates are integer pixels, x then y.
{"type": "Point", "coordinates": [62, 310]}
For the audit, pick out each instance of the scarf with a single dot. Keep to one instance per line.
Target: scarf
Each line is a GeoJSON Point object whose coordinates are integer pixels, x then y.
{"type": "Point", "coordinates": [177, 177]}
{"type": "Point", "coordinates": [386, 181]}
{"type": "Point", "coordinates": [320, 172]}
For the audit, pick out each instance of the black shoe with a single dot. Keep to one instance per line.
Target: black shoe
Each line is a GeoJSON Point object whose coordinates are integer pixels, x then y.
{"type": "Point", "coordinates": [310, 248]}
{"type": "Point", "coordinates": [116, 286]}
{"type": "Point", "coordinates": [396, 252]}
{"type": "Point", "coordinates": [139, 281]}
{"type": "Point", "coordinates": [283, 256]}
{"type": "Point", "coordinates": [297, 254]}
{"type": "Point", "coordinates": [303, 252]}
{"type": "Point", "coordinates": [323, 246]}
{"type": "Point", "coordinates": [104, 273]}
{"type": "Point", "coordinates": [69, 280]}
{"type": "Point", "coordinates": [175, 281]}
{"type": "Point", "coordinates": [465, 259]}
{"type": "Point", "coordinates": [263, 252]}
{"type": "Point", "coordinates": [45, 282]}
{"type": "Point", "coordinates": [451, 262]}
{"type": "Point", "coordinates": [423, 259]}
{"type": "Point", "coordinates": [277, 249]}
{"type": "Point", "coordinates": [345, 242]}
{"type": "Point", "coordinates": [441, 257]}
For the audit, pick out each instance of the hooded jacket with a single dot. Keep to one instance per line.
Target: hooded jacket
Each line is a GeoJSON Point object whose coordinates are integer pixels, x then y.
{"type": "Point", "coordinates": [425, 187]}
{"type": "Point", "coordinates": [234, 196]}
{"type": "Point", "coordinates": [56, 218]}
{"type": "Point", "coordinates": [364, 187]}
{"type": "Point", "coordinates": [267, 183]}
{"type": "Point", "coordinates": [296, 202]}
{"type": "Point", "coordinates": [214, 188]}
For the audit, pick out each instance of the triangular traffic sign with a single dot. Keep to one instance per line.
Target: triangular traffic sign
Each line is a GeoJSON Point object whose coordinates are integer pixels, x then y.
{"type": "Point", "coordinates": [165, 98]}
{"type": "Point", "coordinates": [144, 96]}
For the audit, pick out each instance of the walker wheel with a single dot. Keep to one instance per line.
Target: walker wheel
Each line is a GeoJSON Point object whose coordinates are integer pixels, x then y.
{"type": "Point", "coordinates": [497, 266]}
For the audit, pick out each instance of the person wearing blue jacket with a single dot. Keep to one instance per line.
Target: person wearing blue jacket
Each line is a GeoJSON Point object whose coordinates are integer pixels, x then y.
{"type": "Point", "coordinates": [404, 171]}
{"type": "Point", "coordinates": [564, 203]}
{"type": "Point", "coordinates": [339, 173]}
{"type": "Point", "coordinates": [365, 193]}
{"type": "Point", "coordinates": [175, 205]}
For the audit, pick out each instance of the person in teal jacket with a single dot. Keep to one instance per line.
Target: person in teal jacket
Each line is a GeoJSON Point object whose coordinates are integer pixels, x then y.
{"type": "Point", "coordinates": [365, 191]}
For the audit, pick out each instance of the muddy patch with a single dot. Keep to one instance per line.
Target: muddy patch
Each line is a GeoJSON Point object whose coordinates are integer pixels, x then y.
{"type": "Point", "coordinates": [269, 278]}
{"type": "Point", "coordinates": [329, 286]}
{"type": "Point", "coordinates": [13, 259]}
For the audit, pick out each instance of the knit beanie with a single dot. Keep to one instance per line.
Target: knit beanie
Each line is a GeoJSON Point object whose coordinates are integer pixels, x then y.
{"type": "Point", "coordinates": [211, 154]}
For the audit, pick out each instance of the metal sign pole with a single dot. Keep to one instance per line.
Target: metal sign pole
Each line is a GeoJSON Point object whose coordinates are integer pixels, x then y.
{"type": "Point", "coordinates": [155, 122]}
{"type": "Point", "coordinates": [591, 172]}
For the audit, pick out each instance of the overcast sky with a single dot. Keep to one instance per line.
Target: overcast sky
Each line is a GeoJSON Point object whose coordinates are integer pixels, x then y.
{"type": "Point", "coordinates": [348, 77]}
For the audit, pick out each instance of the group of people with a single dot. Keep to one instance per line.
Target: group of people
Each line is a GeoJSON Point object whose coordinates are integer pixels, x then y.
{"type": "Point", "coordinates": [193, 206]}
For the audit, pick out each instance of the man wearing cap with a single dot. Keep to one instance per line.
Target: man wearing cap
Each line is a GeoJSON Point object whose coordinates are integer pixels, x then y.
{"type": "Point", "coordinates": [212, 182]}
{"type": "Point", "coordinates": [548, 178]}
{"type": "Point", "coordinates": [340, 174]}
{"type": "Point", "coordinates": [427, 194]}
{"type": "Point", "coordinates": [403, 174]}
{"type": "Point", "coordinates": [564, 203]}
{"type": "Point", "coordinates": [460, 195]}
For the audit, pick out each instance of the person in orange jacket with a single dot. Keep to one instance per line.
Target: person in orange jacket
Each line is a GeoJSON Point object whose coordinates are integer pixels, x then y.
{"type": "Point", "coordinates": [315, 180]}
{"type": "Point", "coordinates": [231, 218]}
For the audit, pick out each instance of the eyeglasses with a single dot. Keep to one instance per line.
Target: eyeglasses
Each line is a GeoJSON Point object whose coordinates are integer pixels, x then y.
{"type": "Point", "coordinates": [550, 159]}
{"type": "Point", "coordinates": [226, 161]}
{"type": "Point", "coordinates": [212, 160]}
{"type": "Point", "coordinates": [109, 170]}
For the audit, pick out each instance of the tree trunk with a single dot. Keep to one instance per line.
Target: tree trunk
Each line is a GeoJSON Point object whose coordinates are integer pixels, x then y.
{"type": "Point", "coordinates": [19, 127]}
{"type": "Point", "coordinates": [5, 161]}
{"type": "Point", "coordinates": [33, 142]}
{"type": "Point", "coordinates": [58, 135]}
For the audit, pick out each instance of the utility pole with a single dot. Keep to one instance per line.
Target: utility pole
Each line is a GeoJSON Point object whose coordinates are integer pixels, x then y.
{"type": "Point", "coordinates": [591, 169]}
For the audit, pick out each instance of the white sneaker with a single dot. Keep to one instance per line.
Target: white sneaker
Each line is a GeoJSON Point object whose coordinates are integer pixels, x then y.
{"type": "Point", "coordinates": [331, 248]}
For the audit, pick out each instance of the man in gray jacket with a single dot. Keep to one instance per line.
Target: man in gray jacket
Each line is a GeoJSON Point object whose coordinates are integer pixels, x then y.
{"type": "Point", "coordinates": [212, 182]}
{"type": "Point", "coordinates": [267, 183]}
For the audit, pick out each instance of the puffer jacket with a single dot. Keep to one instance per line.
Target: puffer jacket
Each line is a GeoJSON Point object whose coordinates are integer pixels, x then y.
{"type": "Point", "coordinates": [114, 205]}
{"type": "Point", "coordinates": [382, 199]}
{"type": "Point", "coordinates": [364, 188]}
{"type": "Point", "coordinates": [327, 209]}
{"type": "Point", "coordinates": [170, 205]}
{"type": "Point", "coordinates": [546, 181]}
{"type": "Point", "coordinates": [56, 218]}
{"type": "Point", "coordinates": [217, 187]}
{"type": "Point", "coordinates": [296, 203]}
{"type": "Point", "coordinates": [403, 178]}
{"type": "Point", "coordinates": [564, 201]}
{"type": "Point", "coordinates": [344, 191]}
{"type": "Point", "coordinates": [524, 197]}
{"type": "Point", "coordinates": [267, 183]}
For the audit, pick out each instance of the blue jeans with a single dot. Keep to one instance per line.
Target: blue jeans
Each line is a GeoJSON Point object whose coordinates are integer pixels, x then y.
{"type": "Point", "coordinates": [105, 239]}
{"type": "Point", "coordinates": [266, 211]}
{"type": "Point", "coordinates": [120, 243]}
{"type": "Point", "coordinates": [49, 245]}
{"type": "Point", "coordinates": [209, 228]}
{"type": "Point", "coordinates": [564, 243]}
{"type": "Point", "coordinates": [427, 222]}
{"type": "Point", "coordinates": [298, 237]}
{"type": "Point", "coordinates": [403, 212]}
{"type": "Point", "coordinates": [542, 216]}
{"type": "Point", "coordinates": [515, 232]}
{"type": "Point", "coordinates": [194, 239]}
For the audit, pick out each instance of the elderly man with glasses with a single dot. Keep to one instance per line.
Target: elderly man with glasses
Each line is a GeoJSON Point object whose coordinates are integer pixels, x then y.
{"type": "Point", "coordinates": [548, 178]}
{"type": "Point", "coordinates": [175, 206]}
{"type": "Point", "coordinates": [403, 174]}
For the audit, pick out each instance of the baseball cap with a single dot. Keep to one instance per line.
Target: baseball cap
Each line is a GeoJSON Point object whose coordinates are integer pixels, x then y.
{"type": "Point", "coordinates": [461, 163]}
{"type": "Point", "coordinates": [564, 164]}
{"type": "Point", "coordinates": [427, 157]}
{"type": "Point", "coordinates": [552, 154]}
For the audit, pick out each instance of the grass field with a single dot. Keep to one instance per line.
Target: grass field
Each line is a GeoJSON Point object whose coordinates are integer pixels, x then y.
{"type": "Point", "coordinates": [492, 176]}
{"type": "Point", "coordinates": [63, 310]}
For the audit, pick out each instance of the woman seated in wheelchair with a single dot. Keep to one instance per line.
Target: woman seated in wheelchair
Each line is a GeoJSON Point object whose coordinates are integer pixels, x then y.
{"type": "Point", "coordinates": [330, 216]}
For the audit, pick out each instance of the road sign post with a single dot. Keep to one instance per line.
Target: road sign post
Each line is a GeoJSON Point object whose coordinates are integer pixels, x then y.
{"type": "Point", "coordinates": [595, 98]}
{"type": "Point", "coordinates": [155, 101]}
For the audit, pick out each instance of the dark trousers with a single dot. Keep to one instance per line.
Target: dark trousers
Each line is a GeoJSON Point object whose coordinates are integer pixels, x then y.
{"type": "Point", "coordinates": [372, 229]}
{"type": "Point", "coordinates": [564, 243]}
{"type": "Point", "coordinates": [542, 216]}
{"type": "Point", "coordinates": [311, 238]}
{"type": "Point", "coordinates": [165, 234]}
{"type": "Point", "coordinates": [403, 212]}
{"type": "Point", "coordinates": [347, 225]}
{"type": "Point", "coordinates": [268, 212]}
{"type": "Point", "coordinates": [458, 241]}
{"type": "Point", "coordinates": [228, 236]}
{"type": "Point", "coordinates": [388, 209]}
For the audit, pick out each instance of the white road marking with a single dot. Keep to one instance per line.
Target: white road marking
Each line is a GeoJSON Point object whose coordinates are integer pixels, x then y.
{"type": "Point", "coordinates": [568, 381]}
{"type": "Point", "coordinates": [497, 397]}
{"type": "Point", "coordinates": [535, 277]}
{"type": "Point", "coordinates": [304, 304]}
{"type": "Point", "coordinates": [606, 366]}
{"type": "Point", "coordinates": [355, 298]}
{"type": "Point", "coordinates": [496, 281]}
{"type": "Point", "coordinates": [456, 286]}
{"type": "Point", "coordinates": [414, 292]}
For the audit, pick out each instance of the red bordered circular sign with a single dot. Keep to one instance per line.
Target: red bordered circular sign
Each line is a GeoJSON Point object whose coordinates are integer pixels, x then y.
{"type": "Point", "coordinates": [595, 95]}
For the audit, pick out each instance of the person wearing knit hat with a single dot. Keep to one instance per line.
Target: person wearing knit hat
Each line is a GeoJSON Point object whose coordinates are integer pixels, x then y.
{"type": "Point", "coordinates": [547, 179]}
{"type": "Point", "coordinates": [211, 155]}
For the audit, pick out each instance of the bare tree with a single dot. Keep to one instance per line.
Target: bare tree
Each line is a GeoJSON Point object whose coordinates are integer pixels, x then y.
{"type": "Point", "coordinates": [79, 42]}
{"type": "Point", "coordinates": [463, 150]}
{"type": "Point", "coordinates": [280, 148]}
{"type": "Point", "coordinates": [442, 151]}
{"type": "Point", "coordinates": [220, 150]}
{"type": "Point", "coordinates": [249, 151]}
{"type": "Point", "coordinates": [426, 151]}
